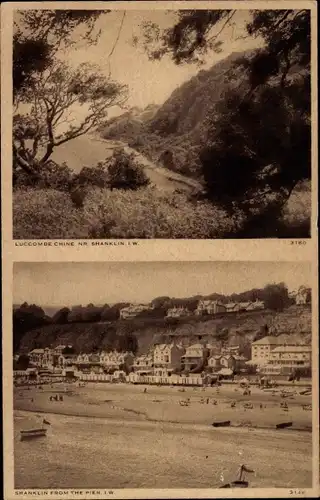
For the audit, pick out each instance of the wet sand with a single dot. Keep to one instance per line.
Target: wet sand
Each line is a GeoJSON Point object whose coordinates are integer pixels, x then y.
{"type": "Point", "coordinates": [130, 402]}
{"type": "Point", "coordinates": [118, 436]}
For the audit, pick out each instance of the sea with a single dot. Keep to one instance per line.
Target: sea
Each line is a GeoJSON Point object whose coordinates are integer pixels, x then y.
{"type": "Point", "coordinates": [99, 453]}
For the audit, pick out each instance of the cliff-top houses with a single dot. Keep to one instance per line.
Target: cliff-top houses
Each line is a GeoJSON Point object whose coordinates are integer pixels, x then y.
{"type": "Point", "coordinates": [204, 307]}
{"type": "Point", "coordinates": [133, 310]}
{"type": "Point", "coordinates": [209, 307]}
{"type": "Point", "coordinates": [178, 312]}
{"type": "Point", "coordinates": [302, 296]}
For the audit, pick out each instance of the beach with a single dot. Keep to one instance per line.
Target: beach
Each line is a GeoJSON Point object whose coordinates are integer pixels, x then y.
{"type": "Point", "coordinates": [119, 436]}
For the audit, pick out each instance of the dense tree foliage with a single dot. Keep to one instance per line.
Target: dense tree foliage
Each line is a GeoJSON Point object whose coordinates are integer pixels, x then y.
{"type": "Point", "coordinates": [22, 363]}
{"type": "Point", "coordinates": [68, 350]}
{"type": "Point", "coordinates": [39, 34]}
{"type": "Point", "coordinates": [49, 89]}
{"type": "Point", "coordinates": [124, 172]}
{"type": "Point", "coordinates": [51, 98]}
{"type": "Point", "coordinates": [241, 169]}
{"type": "Point", "coordinates": [61, 316]}
{"type": "Point", "coordinates": [276, 296]}
{"type": "Point", "coordinates": [25, 318]}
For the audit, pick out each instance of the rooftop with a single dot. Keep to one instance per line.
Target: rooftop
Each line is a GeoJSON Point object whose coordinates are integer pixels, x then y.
{"type": "Point", "coordinates": [293, 348]}
{"type": "Point", "coordinates": [269, 339]}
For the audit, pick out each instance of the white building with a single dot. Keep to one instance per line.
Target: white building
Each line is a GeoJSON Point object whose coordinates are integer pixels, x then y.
{"type": "Point", "coordinates": [209, 307]}
{"type": "Point", "coordinates": [232, 307]}
{"type": "Point", "coordinates": [143, 363]}
{"type": "Point", "coordinates": [301, 297]}
{"type": "Point", "coordinates": [178, 312]}
{"type": "Point", "coordinates": [36, 357]}
{"type": "Point", "coordinates": [114, 360]}
{"type": "Point", "coordinates": [257, 305]}
{"type": "Point", "coordinates": [133, 310]}
{"type": "Point", "coordinates": [285, 359]}
{"type": "Point", "coordinates": [168, 356]}
{"type": "Point", "coordinates": [195, 357]}
{"type": "Point", "coordinates": [261, 349]}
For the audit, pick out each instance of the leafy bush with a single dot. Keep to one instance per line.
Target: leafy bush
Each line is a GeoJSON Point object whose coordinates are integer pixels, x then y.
{"type": "Point", "coordinates": [93, 176]}
{"type": "Point", "coordinates": [46, 214]}
{"type": "Point", "coordinates": [124, 172]}
{"type": "Point", "coordinates": [142, 214]}
{"type": "Point", "coordinates": [52, 176]}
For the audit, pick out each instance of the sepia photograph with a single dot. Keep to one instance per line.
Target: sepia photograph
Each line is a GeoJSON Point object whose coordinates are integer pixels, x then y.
{"type": "Point", "coordinates": [162, 375]}
{"type": "Point", "coordinates": [152, 123]}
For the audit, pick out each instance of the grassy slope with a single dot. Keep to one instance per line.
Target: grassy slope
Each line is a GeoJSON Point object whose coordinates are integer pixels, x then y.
{"type": "Point", "coordinates": [50, 214]}
{"type": "Point", "coordinates": [242, 327]}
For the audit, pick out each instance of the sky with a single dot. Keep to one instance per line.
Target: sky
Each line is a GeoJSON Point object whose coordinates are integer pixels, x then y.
{"type": "Point", "coordinates": [149, 82]}
{"type": "Point", "coordinates": [75, 283]}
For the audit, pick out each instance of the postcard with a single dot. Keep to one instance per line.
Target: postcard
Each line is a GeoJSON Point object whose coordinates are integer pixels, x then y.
{"type": "Point", "coordinates": [159, 235]}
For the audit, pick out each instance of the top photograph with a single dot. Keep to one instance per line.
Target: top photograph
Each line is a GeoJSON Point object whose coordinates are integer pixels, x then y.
{"type": "Point", "coordinates": [161, 124]}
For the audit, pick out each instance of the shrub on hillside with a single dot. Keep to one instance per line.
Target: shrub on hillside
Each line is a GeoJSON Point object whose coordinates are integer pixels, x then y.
{"type": "Point", "coordinates": [124, 172]}
{"type": "Point", "coordinates": [93, 176]}
{"type": "Point", "coordinates": [142, 214]}
{"type": "Point", "coordinates": [46, 214]}
{"type": "Point", "coordinates": [49, 214]}
{"type": "Point", "coordinates": [51, 176]}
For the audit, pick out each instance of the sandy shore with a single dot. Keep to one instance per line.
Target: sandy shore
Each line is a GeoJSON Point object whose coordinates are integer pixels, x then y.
{"type": "Point", "coordinates": [161, 404]}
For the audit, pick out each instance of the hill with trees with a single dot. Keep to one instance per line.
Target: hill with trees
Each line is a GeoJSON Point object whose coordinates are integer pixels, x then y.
{"type": "Point", "coordinates": [91, 328]}
{"type": "Point", "coordinates": [219, 125]}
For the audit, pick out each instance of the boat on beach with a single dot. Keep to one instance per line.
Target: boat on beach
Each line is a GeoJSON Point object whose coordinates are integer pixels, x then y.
{"type": "Point", "coordinates": [240, 482]}
{"type": "Point", "coordinates": [33, 433]}
{"type": "Point", "coordinates": [223, 423]}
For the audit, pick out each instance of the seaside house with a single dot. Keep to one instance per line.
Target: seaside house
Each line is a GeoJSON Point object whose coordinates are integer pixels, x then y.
{"type": "Point", "coordinates": [65, 360]}
{"type": "Point", "coordinates": [143, 364]}
{"type": "Point", "coordinates": [94, 359]}
{"type": "Point", "coordinates": [168, 356]}
{"type": "Point", "coordinates": [195, 358]}
{"type": "Point", "coordinates": [83, 359]}
{"type": "Point", "coordinates": [133, 310]}
{"type": "Point", "coordinates": [261, 349]}
{"type": "Point", "coordinates": [116, 360]}
{"type": "Point", "coordinates": [178, 312]}
{"type": "Point", "coordinates": [234, 362]}
{"type": "Point", "coordinates": [214, 362]}
{"type": "Point", "coordinates": [230, 349]}
{"type": "Point", "coordinates": [36, 357]}
{"type": "Point", "coordinates": [49, 358]}
{"type": "Point", "coordinates": [286, 358]}
{"type": "Point", "coordinates": [58, 350]}
{"type": "Point", "coordinates": [209, 307]}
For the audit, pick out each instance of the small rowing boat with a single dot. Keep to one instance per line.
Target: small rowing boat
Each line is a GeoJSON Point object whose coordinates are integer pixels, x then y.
{"type": "Point", "coordinates": [224, 423]}
{"type": "Point", "coordinates": [239, 483]}
{"type": "Point", "coordinates": [33, 433]}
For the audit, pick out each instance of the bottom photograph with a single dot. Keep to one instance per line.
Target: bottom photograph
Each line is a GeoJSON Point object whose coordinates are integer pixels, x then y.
{"type": "Point", "coordinates": [162, 375]}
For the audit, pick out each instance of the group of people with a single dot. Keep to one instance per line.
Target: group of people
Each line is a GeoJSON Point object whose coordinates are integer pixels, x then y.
{"type": "Point", "coordinates": [57, 397]}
